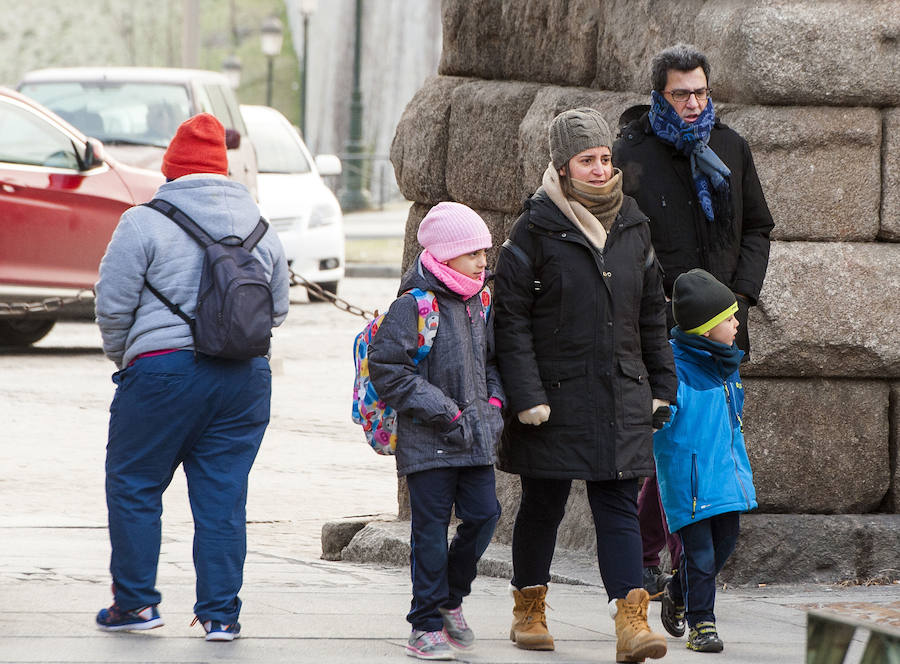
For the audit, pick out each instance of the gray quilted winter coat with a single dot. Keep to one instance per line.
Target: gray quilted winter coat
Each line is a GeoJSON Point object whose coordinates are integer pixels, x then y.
{"type": "Point", "coordinates": [459, 374]}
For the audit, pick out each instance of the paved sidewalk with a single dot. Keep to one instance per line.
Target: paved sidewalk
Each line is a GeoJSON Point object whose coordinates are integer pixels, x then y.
{"type": "Point", "coordinates": [313, 467]}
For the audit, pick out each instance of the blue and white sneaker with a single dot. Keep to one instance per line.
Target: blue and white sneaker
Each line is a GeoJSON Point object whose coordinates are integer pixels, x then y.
{"type": "Point", "coordinates": [115, 619]}
{"type": "Point", "coordinates": [216, 631]}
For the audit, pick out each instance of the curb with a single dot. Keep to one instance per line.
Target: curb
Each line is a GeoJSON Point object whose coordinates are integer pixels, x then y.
{"type": "Point", "coordinates": [387, 543]}
{"type": "Point", "coordinates": [372, 271]}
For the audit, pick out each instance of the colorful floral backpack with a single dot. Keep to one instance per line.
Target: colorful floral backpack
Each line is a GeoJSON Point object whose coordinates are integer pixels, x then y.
{"type": "Point", "coordinates": [378, 420]}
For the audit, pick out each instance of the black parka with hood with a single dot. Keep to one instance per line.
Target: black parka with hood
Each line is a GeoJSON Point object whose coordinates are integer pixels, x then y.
{"type": "Point", "coordinates": [585, 332]}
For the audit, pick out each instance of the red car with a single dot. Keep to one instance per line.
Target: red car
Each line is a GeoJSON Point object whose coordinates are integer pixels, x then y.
{"type": "Point", "coordinates": [61, 196]}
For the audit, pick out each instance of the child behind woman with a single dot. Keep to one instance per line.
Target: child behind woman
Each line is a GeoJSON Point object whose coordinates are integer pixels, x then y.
{"type": "Point", "coordinates": [701, 460]}
{"type": "Point", "coordinates": [449, 421]}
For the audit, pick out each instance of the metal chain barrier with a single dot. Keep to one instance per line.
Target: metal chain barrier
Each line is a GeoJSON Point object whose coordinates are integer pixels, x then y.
{"type": "Point", "coordinates": [323, 294]}
{"type": "Point", "coordinates": [51, 304]}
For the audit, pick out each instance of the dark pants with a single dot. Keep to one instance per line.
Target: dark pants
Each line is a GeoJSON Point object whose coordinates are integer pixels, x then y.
{"type": "Point", "coordinates": [654, 531]}
{"type": "Point", "coordinates": [614, 507]}
{"type": "Point", "coordinates": [210, 416]}
{"type": "Point", "coordinates": [442, 577]}
{"type": "Point", "coordinates": [706, 546]}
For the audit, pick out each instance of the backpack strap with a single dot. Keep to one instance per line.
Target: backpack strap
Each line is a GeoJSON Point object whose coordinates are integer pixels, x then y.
{"type": "Point", "coordinates": [253, 239]}
{"type": "Point", "coordinates": [486, 301]}
{"type": "Point", "coordinates": [187, 224]}
{"type": "Point", "coordinates": [171, 306]}
{"type": "Point", "coordinates": [193, 229]}
{"type": "Point", "coordinates": [516, 251]}
{"type": "Point", "coordinates": [426, 303]}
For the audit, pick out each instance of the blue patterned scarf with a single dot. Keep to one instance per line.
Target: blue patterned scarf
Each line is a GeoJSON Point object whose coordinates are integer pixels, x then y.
{"type": "Point", "coordinates": [711, 175]}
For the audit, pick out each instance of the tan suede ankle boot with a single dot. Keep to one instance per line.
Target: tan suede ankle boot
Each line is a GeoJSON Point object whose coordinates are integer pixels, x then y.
{"type": "Point", "coordinates": [635, 642]}
{"type": "Point", "coordinates": [529, 628]}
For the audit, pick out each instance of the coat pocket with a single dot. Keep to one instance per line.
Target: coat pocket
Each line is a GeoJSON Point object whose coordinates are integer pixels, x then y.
{"type": "Point", "coordinates": [636, 395]}
{"type": "Point", "coordinates": [494, 424]}
{"type": "Point", "coordinates": [566, 386]}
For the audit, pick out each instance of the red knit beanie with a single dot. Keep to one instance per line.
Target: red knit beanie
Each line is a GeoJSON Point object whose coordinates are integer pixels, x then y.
{"type": "Point", "coordinates": [198, 147]}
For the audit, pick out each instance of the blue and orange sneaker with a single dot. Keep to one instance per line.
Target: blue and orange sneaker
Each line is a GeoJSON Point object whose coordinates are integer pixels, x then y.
{"type": "Point", "coordinates": [115, 619]}
{"type": "Point", "coordinates": [216, 631]}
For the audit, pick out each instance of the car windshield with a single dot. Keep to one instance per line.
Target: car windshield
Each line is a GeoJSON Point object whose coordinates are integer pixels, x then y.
{"type": "Point", "coordinates": [277, 150]}
{"type": "Point", "coordinates": [117, 113]}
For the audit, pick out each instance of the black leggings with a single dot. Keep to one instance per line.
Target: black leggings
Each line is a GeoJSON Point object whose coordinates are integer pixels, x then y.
{"type": "Point", "coordinates": [614, 507]}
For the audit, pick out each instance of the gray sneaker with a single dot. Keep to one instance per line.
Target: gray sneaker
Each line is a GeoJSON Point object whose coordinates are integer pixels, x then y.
{"type": "Point", "coordinates": [456, 629]}
{"type": "Point", "coordinates": [428, 645]}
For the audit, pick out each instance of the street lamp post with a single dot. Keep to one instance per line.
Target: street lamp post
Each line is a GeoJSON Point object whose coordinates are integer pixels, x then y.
{"type": "Point", "coordinates": [231, 67]}
{"type": "Point", "coordinates": [271, 36]}
{"type": "Point", "coordinates": [352, 196]}
{"type": "Point", "coordinates": [307, 7]}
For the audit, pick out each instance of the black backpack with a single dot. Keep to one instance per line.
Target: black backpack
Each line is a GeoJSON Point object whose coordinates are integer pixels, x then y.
{"type": "Point", "coordinates": [234, 314]}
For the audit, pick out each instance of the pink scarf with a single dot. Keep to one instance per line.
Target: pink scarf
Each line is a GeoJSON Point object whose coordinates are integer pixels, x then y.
{"type": "Point", "coordinates": [455, 281]}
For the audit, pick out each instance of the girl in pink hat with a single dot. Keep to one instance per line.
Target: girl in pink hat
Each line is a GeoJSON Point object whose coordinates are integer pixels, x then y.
{"type": "Point", "coordinates": [449, 419]}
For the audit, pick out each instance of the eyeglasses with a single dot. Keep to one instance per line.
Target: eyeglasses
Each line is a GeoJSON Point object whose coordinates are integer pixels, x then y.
{"type": "Point", "coordinates": [683, 95]}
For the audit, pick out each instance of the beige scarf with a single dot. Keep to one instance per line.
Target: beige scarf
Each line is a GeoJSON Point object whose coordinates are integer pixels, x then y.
{"type": "Point", "coordinates": [592, 209]}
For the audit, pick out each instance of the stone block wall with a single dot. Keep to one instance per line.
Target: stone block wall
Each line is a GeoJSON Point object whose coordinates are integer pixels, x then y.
{"type": "Point", "coordinates": [812, 86]}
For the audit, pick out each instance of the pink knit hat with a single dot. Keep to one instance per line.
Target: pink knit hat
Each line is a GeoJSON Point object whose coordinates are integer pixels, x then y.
{"type": "Point", "coordinates": [453, 229]}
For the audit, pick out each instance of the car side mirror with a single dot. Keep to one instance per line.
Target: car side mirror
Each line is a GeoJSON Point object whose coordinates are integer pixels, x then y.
{"type": "Point", "coordinates": [328, 164]}
{"type": "Point", "coordinates": [232, 139]}
{"type": "Point", "coordinates": [93, 154]}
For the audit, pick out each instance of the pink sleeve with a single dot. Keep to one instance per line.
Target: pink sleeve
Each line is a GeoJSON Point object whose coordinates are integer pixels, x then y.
{"type": "Point", "coordinates": [494, 401]}
{"type": "Point", "coordinates": [458, 413]}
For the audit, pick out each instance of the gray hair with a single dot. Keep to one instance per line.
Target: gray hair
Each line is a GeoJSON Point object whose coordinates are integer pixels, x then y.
{"type": "Point", "coordinates": [682, 57]}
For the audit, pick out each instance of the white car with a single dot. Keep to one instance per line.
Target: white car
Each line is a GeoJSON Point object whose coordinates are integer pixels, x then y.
{"type": "Point", "coordinates": [295, 200]}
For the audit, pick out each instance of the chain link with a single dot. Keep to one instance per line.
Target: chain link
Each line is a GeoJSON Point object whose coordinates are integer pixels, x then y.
{"type": "Point", "coordinates": [318, 291]}
{"type": "Point", "coordinates": [49, 305]}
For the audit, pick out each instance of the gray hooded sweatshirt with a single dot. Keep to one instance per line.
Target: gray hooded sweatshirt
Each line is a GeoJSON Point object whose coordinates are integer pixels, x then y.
{"type": "Point", "coordinates": [148, 247]}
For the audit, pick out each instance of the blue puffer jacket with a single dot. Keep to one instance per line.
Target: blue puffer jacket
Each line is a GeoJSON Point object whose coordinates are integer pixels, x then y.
{"type": "Point", "coordinates": [701, 461]}
{"type": "Point", "coordinates": [458, 375]}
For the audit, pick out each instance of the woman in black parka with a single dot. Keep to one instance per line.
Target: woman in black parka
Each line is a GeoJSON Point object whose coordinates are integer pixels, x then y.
{"type": "Point", "coordinates": [582, 350]}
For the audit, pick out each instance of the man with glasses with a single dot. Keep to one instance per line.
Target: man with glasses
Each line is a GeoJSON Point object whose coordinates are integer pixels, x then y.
{"type": "Point", "coordinates": [694, 177]}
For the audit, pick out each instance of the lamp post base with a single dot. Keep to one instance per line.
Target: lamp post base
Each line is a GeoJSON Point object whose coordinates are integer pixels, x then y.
{"type": "Point", "coordinates": [352, 200]}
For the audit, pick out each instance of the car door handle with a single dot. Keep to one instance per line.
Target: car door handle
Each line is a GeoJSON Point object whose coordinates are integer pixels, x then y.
{"type": "Point", "coordinates": [10, 186]}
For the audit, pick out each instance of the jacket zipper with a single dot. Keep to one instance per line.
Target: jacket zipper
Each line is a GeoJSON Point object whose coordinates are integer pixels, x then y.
{"type": "Point", "coordinates": [733, 408]}
{"type": "Point", "coordinates": [694, 482]}
{"type": "Point", "coordinates": [472, 364]}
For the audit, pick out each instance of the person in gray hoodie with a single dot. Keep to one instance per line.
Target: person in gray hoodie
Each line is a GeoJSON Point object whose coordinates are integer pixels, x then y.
{"type": "Point", "coordinates": [175, 407]}
{"type": "Point", "coordinates": [448, 419]}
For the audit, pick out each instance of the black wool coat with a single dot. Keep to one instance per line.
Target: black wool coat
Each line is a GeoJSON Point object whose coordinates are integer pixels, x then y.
{"type": "Point", "coordinates": [583, 331]}
{"type": "Point", "coordinates": [659, 178]}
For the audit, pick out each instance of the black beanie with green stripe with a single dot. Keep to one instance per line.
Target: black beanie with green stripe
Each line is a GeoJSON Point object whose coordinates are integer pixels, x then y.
{"type": "Point", "coordinates": [700, 301]}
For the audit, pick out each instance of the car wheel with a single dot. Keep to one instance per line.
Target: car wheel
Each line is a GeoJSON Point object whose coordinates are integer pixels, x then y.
{"type": "Point", "coordinates": [24, 331]}
{"type": "Point", "coordinates": [328, 286]}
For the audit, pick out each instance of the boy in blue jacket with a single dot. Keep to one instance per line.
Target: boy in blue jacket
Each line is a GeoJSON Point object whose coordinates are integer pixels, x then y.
{"type": "Point", "coordinates": [703, 471]}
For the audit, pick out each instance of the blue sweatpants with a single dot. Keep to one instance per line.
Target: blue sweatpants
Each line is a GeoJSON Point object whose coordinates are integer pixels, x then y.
{"type": "Point", "coordinates": [209, 415]}
{"type": "Point", "coordinates": [441, 578]}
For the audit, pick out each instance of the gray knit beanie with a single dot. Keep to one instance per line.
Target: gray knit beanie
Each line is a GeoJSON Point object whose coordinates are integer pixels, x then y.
{"type": "Point", "coordinates": [574, 131]}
